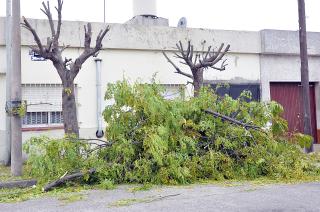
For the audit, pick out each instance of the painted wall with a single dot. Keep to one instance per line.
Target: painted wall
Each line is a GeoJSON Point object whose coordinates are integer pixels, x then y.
{"type": "Point", "coordinates": [2, 115]}
{"type": "Point", "coordinates": [135, 65]}
{"type": "Point", "coordinates": [134, 52]}
{"type": "Point", "coordinates": [280, 61]}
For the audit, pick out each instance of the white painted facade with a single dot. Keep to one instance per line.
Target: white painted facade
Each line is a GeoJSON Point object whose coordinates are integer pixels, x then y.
{"type": "Point", "coordinates": [134, 52]}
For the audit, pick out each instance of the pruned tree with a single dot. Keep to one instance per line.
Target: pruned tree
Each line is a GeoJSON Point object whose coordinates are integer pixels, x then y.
{"type": "Point", "coordinates": [198, 62]}
{"type": "Point", "coordinates": [66, 67]}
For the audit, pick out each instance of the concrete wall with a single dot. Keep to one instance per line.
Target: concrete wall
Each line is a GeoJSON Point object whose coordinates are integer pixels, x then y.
{"type": "Point", "coordinates": [134, 52]}
{"type": "Point", "coordinates": [131, 64]}
{"type": "Point", "coordinates": [285, 68]}
{"type": "Point", "coordinates": [127, 36]}
{"type": "Point", "coordinates": [280, 61]}
{"type": "Point", "coordinates": [2, 116]}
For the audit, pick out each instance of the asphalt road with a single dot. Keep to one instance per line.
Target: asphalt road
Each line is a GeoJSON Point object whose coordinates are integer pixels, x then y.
{"type": "Point", "coordinates": [278, 198]}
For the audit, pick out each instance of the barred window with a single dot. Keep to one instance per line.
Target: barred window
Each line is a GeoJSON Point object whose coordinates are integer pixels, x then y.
{"type": "Point", "coordinates": [56, 117]}
{"type": "Point", "coordinates": [42, 118]}
{"type": "Point", "coordinates": [172, 91]}
{"type": "Point", "coordinates": [35, 118]}
{"type": "Point", "coordinates": [44, 105]}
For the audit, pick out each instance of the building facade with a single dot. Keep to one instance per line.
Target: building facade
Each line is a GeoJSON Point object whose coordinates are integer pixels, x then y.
{"type": "Point", "coordinates": [268, 59]}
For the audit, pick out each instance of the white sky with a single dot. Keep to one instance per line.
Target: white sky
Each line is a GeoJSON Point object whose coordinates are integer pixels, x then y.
{"type": "Point", "coordinates": [215, 14]}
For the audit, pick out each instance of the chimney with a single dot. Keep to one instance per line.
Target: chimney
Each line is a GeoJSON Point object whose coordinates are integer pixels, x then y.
{"type": "Point", "coordinates": [145, 7]}
{"type": "Point", "coordinates": [145, 13]}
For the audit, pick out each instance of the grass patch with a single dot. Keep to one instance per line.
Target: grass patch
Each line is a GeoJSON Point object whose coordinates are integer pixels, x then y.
{"type": "Point", "coordinates": [132, 201]}
{"type": "Point", "coordinates": [19, 195]}
{"type": "Point", "coordinates": [107, 185]}
{"type": "Point", "coordinates": [262, 181]}
{"type": "Point", "coordinates": [5, 174]}
{"type": "Point", "coordinates": [250, 189]}
{"type": "Point", "coordinates": [143, 187]}
{"type": "Point", "coordinates": [65, 194]}
{"type": "Point", "coordinates": [70, 198]}
{"type": "Point", "coordinates": [128, 202]}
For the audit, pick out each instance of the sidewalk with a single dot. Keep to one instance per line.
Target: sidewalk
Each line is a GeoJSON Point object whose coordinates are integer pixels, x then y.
{"type": "Point", "coordinates": [300, 197]}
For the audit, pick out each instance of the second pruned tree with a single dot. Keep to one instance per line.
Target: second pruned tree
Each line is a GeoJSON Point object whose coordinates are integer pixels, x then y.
{"type": "Point", "coordinates": [67, 68]}
{"type": "Point", "coordinates": [199, 61]}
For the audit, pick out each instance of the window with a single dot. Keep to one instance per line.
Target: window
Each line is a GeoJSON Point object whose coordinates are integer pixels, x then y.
{"type": "Point", "coordinates": [44, 105]}
{"type": "Point", "coordinates": [234, 90]}
{"type": "Point", "coordinates": [56, 117]}
{"type": "Point", "coordinates": [172, 91]}
{"type": "Point", "coordinates": [35, 118]}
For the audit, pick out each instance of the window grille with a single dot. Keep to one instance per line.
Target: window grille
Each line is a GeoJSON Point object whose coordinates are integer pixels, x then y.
{"type": "Point", "coordinates": [44, 105]}
{"type": "Point", "coordinates": [35, 118]}
{"type": "Point", "coordinates": [173, 91]}
{"type": "Point", "coordinates": [56, 117]}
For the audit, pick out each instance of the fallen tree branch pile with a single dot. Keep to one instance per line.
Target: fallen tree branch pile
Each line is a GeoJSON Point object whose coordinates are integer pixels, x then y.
{"type": "Point", "coordinates": [232, 120]}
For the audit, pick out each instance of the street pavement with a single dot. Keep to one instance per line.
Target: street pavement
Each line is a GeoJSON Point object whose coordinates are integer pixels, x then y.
{"type": "Point", "coordinates": [238, 197]}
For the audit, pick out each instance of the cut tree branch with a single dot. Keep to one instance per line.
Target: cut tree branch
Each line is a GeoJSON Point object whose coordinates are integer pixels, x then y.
{"type": "Point", "coordinates": [57, 35]}
{"type": "Point", "coordinates": [18, 184]}
{"type": "Point", "coordinates": [176, 67]}
{"type": "Point", "coordinates": [67, 178]}
{"type": "Point", "coordinates": [88, 51]}
{"type": "Point", "coordinates": [27, 25]}
{"type": "Point", "coordinates": [232, 120]}
{"type": "Point", "coordinates": [198, 62]}
{"type": "Point", "coordinates": [47, 12]}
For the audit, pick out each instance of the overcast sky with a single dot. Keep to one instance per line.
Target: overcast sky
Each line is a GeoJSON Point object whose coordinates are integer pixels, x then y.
{"type": "Point", "coordinates": [215, 14]}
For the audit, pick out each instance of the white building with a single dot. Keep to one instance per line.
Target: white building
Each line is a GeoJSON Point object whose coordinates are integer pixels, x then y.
{"type": "Point", "coordinates": [133, 50]}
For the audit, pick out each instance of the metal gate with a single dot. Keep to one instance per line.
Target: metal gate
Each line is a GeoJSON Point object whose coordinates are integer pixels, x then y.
{"type": "Point", "coordinates": [289, 96]}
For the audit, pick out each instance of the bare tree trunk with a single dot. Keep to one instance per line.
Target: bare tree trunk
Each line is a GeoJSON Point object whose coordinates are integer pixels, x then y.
{"type": "Point", "coordinates": [69, 109]}
{"type": "Point", "coordinates": [197, 81]}
{"type": "Point", "coordinates": [66, 68]}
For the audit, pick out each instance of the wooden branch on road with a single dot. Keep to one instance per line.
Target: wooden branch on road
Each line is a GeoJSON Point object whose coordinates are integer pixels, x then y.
{"type": "Point", "coordinates": [18, 184]}
{"type": "Point", "coordinates": [67, 178]}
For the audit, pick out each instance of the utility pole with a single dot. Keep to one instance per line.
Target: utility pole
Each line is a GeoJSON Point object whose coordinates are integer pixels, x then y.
{"type": "Point", "coordinates": [7, 146]}
{"type": "Point", "coordinates": [305, 100]}
{"type": "Point", "coordinates": [104, 11]}
{"type": "Point", "coordinates": [15, 78]}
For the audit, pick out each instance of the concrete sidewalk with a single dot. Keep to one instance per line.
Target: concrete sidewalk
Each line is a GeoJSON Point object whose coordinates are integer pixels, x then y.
{"type": "Point", "coordinates": [300, 197]}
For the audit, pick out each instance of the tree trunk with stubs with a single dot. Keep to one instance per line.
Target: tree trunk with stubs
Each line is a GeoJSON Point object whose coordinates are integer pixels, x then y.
{"type": "Point", "coordinates": [197, 81]}
{"type": "Point", "coordinates": [69, 109]}
{"type": "Point", "coordinates": [66, 68]}
{"type": "Point", "coordinates": [198, 61]}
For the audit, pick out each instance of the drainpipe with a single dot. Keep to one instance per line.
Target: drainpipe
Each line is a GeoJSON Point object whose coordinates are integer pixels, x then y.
{"type": "Point", "coordinates": [99, 132]}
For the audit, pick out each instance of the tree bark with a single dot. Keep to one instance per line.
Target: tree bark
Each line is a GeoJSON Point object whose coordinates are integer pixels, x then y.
{"type": "Point", "coordinates": [66, 68]}
{"type": "Point", "coordinates": [69, 109]}
{"type": "Point", "coordinates": [197, 81]}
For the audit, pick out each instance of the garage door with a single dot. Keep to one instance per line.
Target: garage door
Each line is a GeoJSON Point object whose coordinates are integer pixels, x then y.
{"type": "Point", "coordinates": [289, 95]}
